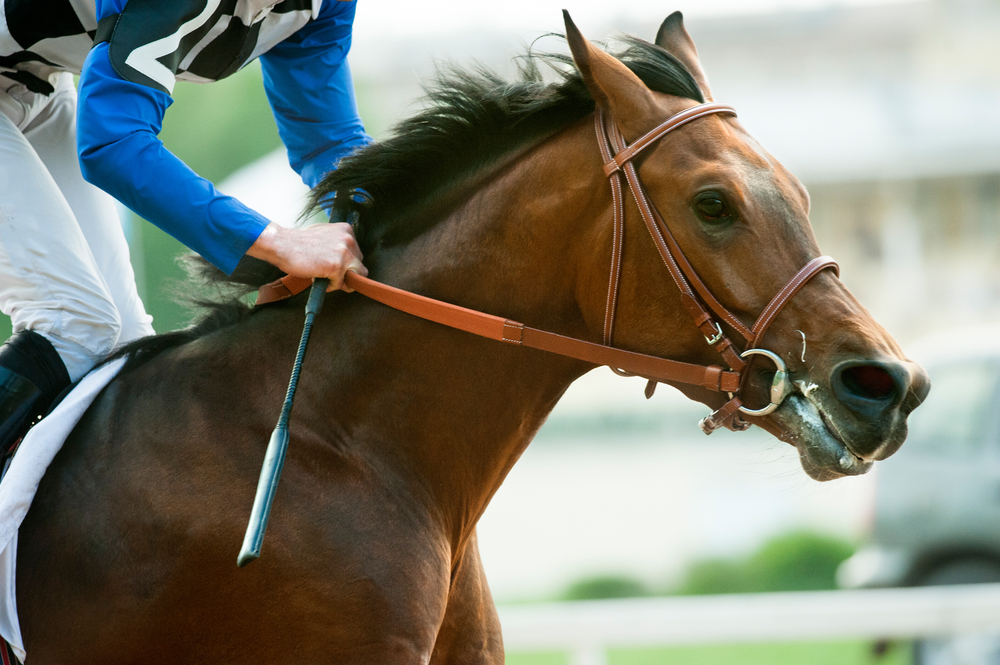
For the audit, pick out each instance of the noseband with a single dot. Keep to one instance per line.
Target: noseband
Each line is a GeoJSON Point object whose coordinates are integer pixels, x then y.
{"type": "Point", "coordinates": [695, 296]}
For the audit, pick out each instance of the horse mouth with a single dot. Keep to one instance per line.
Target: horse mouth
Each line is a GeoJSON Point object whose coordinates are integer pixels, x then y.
{"type": "Point", "coordinates": [822, 451]}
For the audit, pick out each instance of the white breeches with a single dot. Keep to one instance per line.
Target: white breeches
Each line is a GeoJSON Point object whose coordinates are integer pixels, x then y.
{"type": "Point", "coordinates": [64, 263]}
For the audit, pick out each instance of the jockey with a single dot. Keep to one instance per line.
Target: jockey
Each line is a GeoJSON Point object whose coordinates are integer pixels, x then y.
{"type": "Point", "coordinates": [65, 276]}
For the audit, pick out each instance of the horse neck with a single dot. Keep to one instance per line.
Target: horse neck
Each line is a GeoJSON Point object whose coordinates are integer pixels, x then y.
{"type": "Point", "coordinates": [454, 411]}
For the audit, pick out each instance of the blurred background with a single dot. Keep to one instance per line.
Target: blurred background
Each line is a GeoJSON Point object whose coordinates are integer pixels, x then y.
{"type": "Point", "coordinates": [889, 112]}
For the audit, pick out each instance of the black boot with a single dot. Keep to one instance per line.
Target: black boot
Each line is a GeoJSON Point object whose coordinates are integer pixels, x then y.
{"type": "Point", "coordinates": [31, 377]}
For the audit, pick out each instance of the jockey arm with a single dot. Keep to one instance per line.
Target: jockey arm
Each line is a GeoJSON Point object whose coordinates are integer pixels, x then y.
{"type": "Point", "coordinates": [119, 122]}
{"type": "Point", "coordinates": [309, 87]}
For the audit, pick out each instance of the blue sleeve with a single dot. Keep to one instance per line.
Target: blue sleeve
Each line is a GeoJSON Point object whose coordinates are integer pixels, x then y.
{"type": "Point", "coordinates": [309, 86]}
{"type": "Point", "coordinates": [118, 123]}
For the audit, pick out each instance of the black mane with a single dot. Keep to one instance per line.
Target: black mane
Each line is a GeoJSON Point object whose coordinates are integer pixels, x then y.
{"type": "Point", "coordinates": [472, 120]}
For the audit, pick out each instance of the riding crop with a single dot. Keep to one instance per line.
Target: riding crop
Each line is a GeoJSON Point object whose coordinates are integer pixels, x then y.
{"type": "Point", "coordinates": [274, 458]}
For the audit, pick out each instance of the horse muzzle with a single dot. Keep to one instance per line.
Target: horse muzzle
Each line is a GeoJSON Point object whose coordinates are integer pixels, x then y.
{"type": "Point", "coordinates": [878, 397]}
{"type": "Point", "coordinates": [859, 418]}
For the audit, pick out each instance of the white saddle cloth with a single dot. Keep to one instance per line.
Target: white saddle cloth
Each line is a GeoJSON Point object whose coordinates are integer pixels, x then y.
{"type": "Point", "coordinates": [18, 487]}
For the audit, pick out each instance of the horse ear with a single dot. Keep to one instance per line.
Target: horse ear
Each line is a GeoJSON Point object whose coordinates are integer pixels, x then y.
{"type": "Point", "coordinates": [675, 40]}
{"type": "Point", "coordinates": [612, 85]}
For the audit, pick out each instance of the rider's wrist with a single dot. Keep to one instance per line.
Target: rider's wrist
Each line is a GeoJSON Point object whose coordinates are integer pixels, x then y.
{"type": "Point", "coordinates": [266, 245]}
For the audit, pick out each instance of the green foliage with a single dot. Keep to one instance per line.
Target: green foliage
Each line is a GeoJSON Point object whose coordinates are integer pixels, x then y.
{"type": "Point", "coordinates": [537, 658]}
{"type": "Point", "coordinates": [791, 562]}
{"type": "Point", "coordinates": [715, 576]}
{"type": "Point", "coordinates": [164, 277]}
{"type": "Point", "coordinates": [789, 653]}
{"type": "Point", "coordinates": [797, 561]}
{"type": "Point", "coordinates": [606, 586]}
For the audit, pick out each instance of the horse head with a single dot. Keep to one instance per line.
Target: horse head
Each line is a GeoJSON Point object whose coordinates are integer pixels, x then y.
{"type": "Point", "coordinates": [741, 221]}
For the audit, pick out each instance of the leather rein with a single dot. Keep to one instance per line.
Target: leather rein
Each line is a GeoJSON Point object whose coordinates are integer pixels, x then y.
{"type": "Point", "coordinates": [695, 296]}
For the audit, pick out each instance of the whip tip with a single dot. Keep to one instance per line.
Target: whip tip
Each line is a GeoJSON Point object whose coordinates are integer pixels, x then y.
{"type": "Point", "coordinates": [246, 556]}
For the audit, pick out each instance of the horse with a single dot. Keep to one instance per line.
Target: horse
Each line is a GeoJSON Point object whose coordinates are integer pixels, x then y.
{"type": "Point", "coordinates": [493, 198]}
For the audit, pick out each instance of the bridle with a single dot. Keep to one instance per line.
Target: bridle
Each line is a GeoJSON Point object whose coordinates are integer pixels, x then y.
{"type": "Point", "coordinates": [697, 299]}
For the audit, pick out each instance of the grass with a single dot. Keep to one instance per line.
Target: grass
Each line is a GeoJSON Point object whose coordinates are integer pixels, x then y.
{"type": "Point", "coordinates": [795, 653]}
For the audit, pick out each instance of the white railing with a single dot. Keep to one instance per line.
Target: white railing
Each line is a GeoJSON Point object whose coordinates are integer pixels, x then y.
{"type": "Point", "coordinates": [587, 629]}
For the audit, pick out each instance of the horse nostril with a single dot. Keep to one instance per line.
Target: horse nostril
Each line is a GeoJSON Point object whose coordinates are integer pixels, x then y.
{"type": "Point", "coordinates": [870, 389]}
{"type": "Point", "coordinates": [869, 381]}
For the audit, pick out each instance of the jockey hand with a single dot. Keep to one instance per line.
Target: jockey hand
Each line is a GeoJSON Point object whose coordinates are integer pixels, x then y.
{"type": "Point", "coordinates": [321, 250]}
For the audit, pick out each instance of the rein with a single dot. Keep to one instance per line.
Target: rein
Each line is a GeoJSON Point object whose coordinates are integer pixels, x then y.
{"type": "Point", "coordinates": [695, 296]}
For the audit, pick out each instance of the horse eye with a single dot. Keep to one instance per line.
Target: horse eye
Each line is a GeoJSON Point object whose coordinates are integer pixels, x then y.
{"type": "Point", "coordinates": [712, 209]}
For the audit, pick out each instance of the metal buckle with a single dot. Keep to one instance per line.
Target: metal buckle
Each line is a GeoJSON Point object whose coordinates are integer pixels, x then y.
{"type": "Point", "coordinates": [717, 337]}
{"type": "Point", "coordinates": [781, 386]}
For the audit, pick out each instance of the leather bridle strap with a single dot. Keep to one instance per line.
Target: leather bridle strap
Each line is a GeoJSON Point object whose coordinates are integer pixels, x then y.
{"type": "Point", "coordinates": [778, 302]}
{"type": "Point", "coordinates": [618, 236]}
{"type": "Point", "coordinates": [282, 289]}
{"type": "Point", "coordinates": [711, 377]}
{"type": "Point", "coordinates": [808, 271]}
{"type": "Point", "coordinates": [667, 126]}
{"type": "Point", "coordinates": [611, 141]}
{"type": "Point", "coordinates": [662, 370]}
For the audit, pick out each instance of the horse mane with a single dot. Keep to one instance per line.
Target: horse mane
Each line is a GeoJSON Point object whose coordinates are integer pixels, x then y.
{"type": "Point", "coordinates": [471, 120]}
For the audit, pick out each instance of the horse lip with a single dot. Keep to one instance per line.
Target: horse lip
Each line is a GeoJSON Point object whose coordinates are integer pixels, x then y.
{"type": "Point", "coordinates": [828, 456]}
{"type": "Point", "coordinates": [836, 434]}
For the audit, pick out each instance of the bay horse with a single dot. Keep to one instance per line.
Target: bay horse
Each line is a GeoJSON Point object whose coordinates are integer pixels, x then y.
{"type": "Point", "coordinates": [493, 198]}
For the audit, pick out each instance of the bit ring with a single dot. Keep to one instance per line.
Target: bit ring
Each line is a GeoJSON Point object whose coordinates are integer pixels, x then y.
{"type": "Point", "coordinates": [781, 386]}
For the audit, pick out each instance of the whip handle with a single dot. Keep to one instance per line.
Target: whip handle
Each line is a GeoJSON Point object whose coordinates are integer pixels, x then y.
{"type": "Point", "coordinates": [266, 488]}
